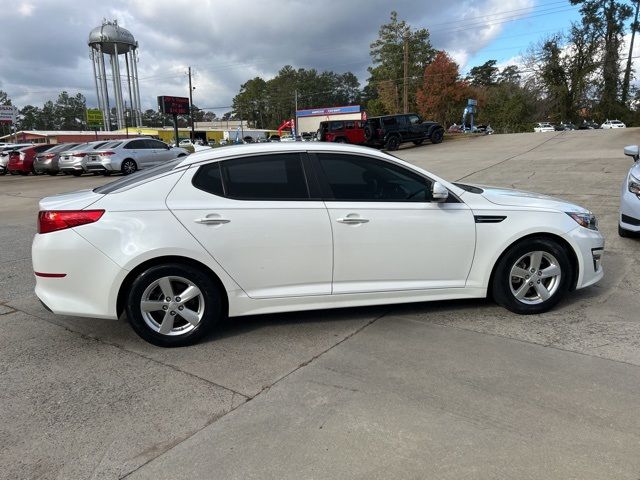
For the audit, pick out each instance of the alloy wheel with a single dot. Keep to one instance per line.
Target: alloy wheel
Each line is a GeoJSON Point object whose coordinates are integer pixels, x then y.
{"type": "Point", "coordinates": [172, 306]}
{"type": "Point", "coordinates": [535, 277]}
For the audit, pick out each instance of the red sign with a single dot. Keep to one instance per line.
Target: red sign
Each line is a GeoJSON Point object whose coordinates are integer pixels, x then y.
{"type": "Point", "coordinates": [174, 105]}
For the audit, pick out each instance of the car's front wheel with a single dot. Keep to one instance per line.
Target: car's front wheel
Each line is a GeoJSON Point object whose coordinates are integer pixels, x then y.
{"type": "Point", "coordinates": [532, 276]}
{"type": "Point", "coordinates": [393, 143]}
{"type": "Point", "coordinates": [173, 305]}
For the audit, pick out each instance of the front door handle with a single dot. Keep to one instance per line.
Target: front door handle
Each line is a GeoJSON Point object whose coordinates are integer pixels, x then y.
{"type": "Point", "coordinates": [212, 220]}
{"type": "Point", "coordinates": [353, 220]}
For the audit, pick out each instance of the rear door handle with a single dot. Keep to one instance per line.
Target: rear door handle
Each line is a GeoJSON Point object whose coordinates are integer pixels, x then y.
{"type": "Point", "coordinates": [212, 220]}
{"type": "Point", "coordinates": [353, 220]}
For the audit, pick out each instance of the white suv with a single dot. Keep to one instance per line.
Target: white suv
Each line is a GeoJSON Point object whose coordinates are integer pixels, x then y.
{"type": "Point", "coordinates": [127, 156]}
{"type": "Point", "coordinates": [613, 124]}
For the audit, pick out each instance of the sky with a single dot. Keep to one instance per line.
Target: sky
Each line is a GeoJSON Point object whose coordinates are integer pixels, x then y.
{"type": "Point", "coordinates": [43, 43]}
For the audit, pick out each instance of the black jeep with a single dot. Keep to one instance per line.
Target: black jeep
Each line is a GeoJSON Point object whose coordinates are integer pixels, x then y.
{"type": "Point", "coordinates": [390, 131]}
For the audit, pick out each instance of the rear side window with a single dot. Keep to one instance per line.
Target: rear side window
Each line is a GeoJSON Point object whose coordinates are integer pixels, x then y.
{"type": "Point", "coordinates": [336, 126]}
{"type": "Point", "coordinates": [263, 177]}
{"type": "Point", "coordinates": [389, 121]}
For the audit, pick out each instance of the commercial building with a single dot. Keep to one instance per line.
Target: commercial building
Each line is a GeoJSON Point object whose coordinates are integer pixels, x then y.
{"type": "Point", "coordinates": [309, 120]}
{"type": "Point", "coordinates": [60, 136]}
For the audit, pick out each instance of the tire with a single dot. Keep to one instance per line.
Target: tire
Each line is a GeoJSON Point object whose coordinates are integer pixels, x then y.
{"type": "Point", "coordinates": [341, 140]}
{"type": "Point", "coordinates": [76, 174]}
{"type": "Point", "coordinates": [24, 174]}
{"type": "Point", "coordinates": [368, 133]}
{"type": "Point", "coordinates": [393, 143]}
{"type": "Point", "coordinates": [106, 173]}
{"type": "Point", "coordinates": [3, 173]}
{"type": "Point", "coordinates": [128, 167]}
{"type": "Point", "coordinates": [53, 174]}
{"type": "Point", "coordinates": [418, 142]}
{"type": "Point", "coordinates": [437, 136]}
{"type": "Point", "coordinates": [205, 308]}
{"type": "Point", "coordinates": [526, 262]}
{"type": "Point", "coordinates": [624, 233]}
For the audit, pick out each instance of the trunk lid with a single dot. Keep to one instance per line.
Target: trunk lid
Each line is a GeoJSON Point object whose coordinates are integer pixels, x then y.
{"type": "Point", "coordinates": [70, 201]}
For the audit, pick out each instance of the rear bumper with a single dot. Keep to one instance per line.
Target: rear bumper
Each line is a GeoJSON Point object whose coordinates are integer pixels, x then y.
{"type": "Point", "coordinates": [87, 287]}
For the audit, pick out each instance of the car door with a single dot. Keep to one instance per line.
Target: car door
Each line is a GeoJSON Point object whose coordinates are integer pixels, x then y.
{"type": "Point", "coordinates": [136, 150]}
{"type": "Point", "coordinates": [387, 233]}
{"type": "Point", "coordinates": [257, 218]}
{"type": "Point", "coordinates": [416, 129]}
{"type": "Point", "coordinates": [158, 152]}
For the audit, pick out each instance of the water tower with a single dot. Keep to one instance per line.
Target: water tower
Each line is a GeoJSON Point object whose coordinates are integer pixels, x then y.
{"type": "Point", "coordinates": [114, 41]}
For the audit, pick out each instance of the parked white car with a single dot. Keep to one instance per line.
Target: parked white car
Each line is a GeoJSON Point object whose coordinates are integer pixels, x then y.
{"type": "Point", "coordinates": [629, 221]}
{"type": "Point", "coordinates": [274, 227]}
{"type": "Point", "coordinates": [127, 156]}
{"type": "Point", "coordinates": [543, 127]}
{"type": "Point", "coordinates": [613, 124]}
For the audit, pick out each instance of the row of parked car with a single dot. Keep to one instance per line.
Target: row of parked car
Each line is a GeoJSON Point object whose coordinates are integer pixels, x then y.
{"type": "Point", "coordinates": [585, 125]}
{"type": "Point", "coordinates": [100, 157]}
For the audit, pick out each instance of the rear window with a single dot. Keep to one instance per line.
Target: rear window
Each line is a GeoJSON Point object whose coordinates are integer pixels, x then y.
{"type": "Point", "coordinates": [112, 145]}
{"type": "Point", "coordinates": [138, 177]}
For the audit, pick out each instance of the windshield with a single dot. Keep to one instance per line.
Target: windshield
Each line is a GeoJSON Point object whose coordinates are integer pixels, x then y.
{"type": "Point", "coordinates": [138, 177]}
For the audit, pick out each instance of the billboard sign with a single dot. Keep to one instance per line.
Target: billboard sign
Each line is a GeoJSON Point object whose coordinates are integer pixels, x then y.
{"type": "Point", "coordinates": [8, 113]}
{"type": "Point", "coordinates": [173, 105]}
{"type": "Point", "coordinates": [95, 118]}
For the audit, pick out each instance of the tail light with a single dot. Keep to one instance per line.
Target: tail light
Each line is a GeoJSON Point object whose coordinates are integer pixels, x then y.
{"type": "Point", "coordinates": [48, 155]}
{"type": "Point", "coordinates": [54, 220]}
{"type": "Point", "coordinates": [106, 154]}
{"type": "Point", "coordinates": [22, 156]}
{"type": "Point", "coordinates": [80, 154]}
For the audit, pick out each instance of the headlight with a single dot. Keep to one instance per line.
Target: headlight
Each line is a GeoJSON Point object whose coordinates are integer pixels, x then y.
{"type": "Point", "coordinates": [586, 220]}
{"type": "Point", "coordinates": [634, 185]}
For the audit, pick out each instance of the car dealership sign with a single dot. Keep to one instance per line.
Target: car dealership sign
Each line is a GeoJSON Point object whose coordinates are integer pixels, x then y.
{"type": "Point", "coordinates": [8, 113]}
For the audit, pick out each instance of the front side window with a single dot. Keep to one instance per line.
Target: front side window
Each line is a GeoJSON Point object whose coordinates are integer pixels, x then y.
{"type": "Point", "coordinates": [365, 179]}
{"type": "Point", "coordinates": [414, 119]}
{"type": "Point", "coordinates": [135, 145]}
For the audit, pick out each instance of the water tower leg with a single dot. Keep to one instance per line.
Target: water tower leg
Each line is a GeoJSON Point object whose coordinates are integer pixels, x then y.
{"type": "Point", "coordinates": [136, 85]}
{"type": "Point", "coordinates": [117, 90]}
{"type": "Point", "coordinates": [105, 90]}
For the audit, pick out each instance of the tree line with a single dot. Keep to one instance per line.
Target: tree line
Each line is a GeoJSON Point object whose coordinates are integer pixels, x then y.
{"type": "Point", "coordinates": [577, 75]}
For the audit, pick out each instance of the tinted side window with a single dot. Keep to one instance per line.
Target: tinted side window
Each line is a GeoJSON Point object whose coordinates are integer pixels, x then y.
{"type": "Point", "coordinates": [363, 179]}
{"type": "Point", "coordinates": [389, 121]}
{"type": "Point", "coordinates": [135, 144]}
{"type": "Point", "coordinates": [337, 126]}
{"type": "Point", "coordinates": [209, 179]}
{"type": "Point", "coordinates": [156, 144]}
{"type": "Point", "coordinates": [265, 177]}
{"type": "Point", "coordinates": [414, 119]}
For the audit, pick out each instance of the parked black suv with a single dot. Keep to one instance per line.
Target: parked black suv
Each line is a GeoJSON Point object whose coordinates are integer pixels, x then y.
{"type": "Point", "coordinates": [390, 131]}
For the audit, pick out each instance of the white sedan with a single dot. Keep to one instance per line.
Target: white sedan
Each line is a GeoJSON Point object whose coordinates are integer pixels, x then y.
{"type": "Point", "coordinates": [277, 227]}
{"type": "Point", "coordinates": [609, 124]}
{"type": "Point", "coordinates": [543, 127]}
{"type": "Point", "coordinates": [629, 221]}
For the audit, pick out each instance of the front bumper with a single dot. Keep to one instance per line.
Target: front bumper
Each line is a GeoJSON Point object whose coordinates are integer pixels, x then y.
{"type": "Point", "coordinates": [589, 248]}
{"type": "Point", "coordinates": [629, 210]}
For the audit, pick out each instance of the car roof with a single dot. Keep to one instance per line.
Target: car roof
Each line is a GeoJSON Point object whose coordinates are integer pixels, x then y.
{"type": "Point", "coordinates": [223, 153]}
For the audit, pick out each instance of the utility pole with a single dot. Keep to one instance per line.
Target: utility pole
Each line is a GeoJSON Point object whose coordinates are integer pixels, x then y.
{"type": "Point", "coordinates": [405, 91]}
{"type": "Point", "coordinates": [295, 118]}
{"type": "Point", "coordinates": [193, 131]}
{"type": "Point", "coordinates": [627, 72]}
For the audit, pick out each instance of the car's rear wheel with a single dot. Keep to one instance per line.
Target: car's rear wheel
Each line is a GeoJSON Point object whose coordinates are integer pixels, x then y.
{"type": "Point", "coordinates": [393, 143]}
{"type": "Point", "coordinates": [128, 167]}
{"type": "Point", "coordinates": [437, 136]}
{"type": "Point", "coordinates": [173, 305]}
{"type": "Point", "coordinates": [76, 174]}
{"type": "Point", "coordinates": [532, 276]}
{"type": "Point", "coordinates": [53, 174]}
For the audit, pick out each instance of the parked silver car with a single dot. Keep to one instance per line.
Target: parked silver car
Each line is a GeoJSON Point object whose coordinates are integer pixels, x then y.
{"type": "Point", "coordinates": [4, 154]}
{"type": "Point", "coordinates": [127, 156]}
{"type": "Point", "coordinates": [47, 162]}
{"type": "Point", "coordinates": [73, 161]}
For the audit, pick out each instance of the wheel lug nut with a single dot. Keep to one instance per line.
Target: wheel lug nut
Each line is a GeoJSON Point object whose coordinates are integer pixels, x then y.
{"type": "Point", "coordinates": [164, 307]}
{"type": "Point", "coordinates": [526, 276]}
{"type": "Point", "coordinates": [172, 312]}
{"type": "Point", "coordinates": [177, 299]}
{"type": "Point", "coordinates": [538, 281]}
{"type": "Point", "coordinates": [168, 299]}
{"type": "Point", "coordinates": [533, 270]}
{"type": "Point", "coordinates": [539, 273]}
{"type": "Point", "coordinates": [180, 307]}
{"type": "Point", "coordinates": [531, 284]}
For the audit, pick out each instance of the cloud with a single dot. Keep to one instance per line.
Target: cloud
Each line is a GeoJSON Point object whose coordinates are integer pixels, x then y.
{"type": "Point", "coordinates": [43, 45]}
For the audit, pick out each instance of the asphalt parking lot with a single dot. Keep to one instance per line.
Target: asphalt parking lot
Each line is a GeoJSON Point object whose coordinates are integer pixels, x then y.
{"type": "Point", "coordinates": [444, 390]}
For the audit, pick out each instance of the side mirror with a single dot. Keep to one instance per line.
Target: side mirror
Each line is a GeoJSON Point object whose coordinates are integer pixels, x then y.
{"type": "Point", "coordinates": [439, 192]}
{"type": "Point", "coordinates": [632, 151]}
